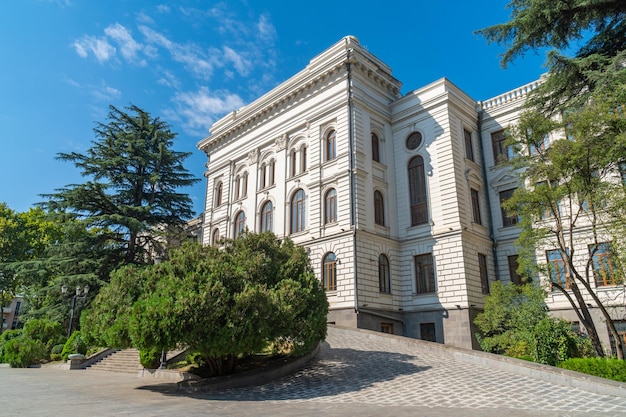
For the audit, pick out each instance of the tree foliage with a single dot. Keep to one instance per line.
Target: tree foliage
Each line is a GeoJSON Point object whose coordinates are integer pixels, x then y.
{"type": "Point", "coordinates": [134, 177]}
{"type": "Point", "coordinates": [516, 323]}
{"type": "Point", "coordinates": [223, 303]}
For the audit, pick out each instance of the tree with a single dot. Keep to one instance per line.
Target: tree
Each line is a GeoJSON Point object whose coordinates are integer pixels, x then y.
{"type": "Point", "coordinates": [132, 192]}
{"type": "Point", "coordinates": [223, 303]}
{"type": "Point", "coordinates": [573, 184]}
{"type": "Point", "coordinates": [24, 237]}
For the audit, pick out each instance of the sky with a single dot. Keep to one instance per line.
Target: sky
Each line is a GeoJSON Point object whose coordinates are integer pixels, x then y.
{"type": "Point", "coordinates": [190, 62]}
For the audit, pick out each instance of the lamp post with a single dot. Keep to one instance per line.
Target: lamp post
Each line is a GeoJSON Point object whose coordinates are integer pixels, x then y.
{"type": "Point", "coordinates": [75, 297]}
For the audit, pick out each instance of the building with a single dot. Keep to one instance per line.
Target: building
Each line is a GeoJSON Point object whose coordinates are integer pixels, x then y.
{"type": "Point", "coordinates": [11, 314]}
{"type": "Point", "coordinates": [396, 198]}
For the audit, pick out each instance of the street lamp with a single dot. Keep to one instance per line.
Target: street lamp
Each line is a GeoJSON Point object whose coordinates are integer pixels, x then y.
{"type": "Point", "coordinates": [75, 297]}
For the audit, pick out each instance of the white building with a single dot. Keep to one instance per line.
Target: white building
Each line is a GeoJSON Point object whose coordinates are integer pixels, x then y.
{"type": "Point", "coordinates": [396, 198]}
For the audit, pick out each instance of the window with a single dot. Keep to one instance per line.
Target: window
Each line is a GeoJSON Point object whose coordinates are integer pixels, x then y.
{"type": "Point", "coordinates": [424, 273]}
{"type": "Point", "coordinates": [215, 237]}
{"type": "Point", "coordinates": [240, 224]}
{"type": "Point", "coordinates": [293, 157]}
{"type": "Point", "coordinates": [507, 221]}
{"type": "Point", "coordinates": [557, 268]}
{"type": "Point", "coordinates": [303, 159]}
{"type": "Point", "coordinates": [297, 211]}
{"type": "Point", "coordinates": [330, 206]}
{"type": "Point", "coordinates": [469, 146]}
{"type": "Point", "coordinates": [484, 273]}
{"type": "Point", "coordinates": [267, 174]}
{"type": "Point", "coordinates": [541, 146]}
{"type": "Point", "coordinates": [476, 206]}
{"type": "Point", "coordinates": [386, 328]}
{"type": "Point", "coordinates": [603, 264]}
{"type": "Point", "coordinates": [501, 152]}
{"type": "Point", "coordinates": [241, 186]}
{"type": "Point", "coordinates": [236, 187]}
{"type": "Point", "coordinates": [263, 180]}
{"type": "Point", "coordinates": [513, 265]}
{"type": "Point", "coordinates": [375, 148]}
{"type": "Point", "coordinates": [218, 194]}
{"type": "Point", "coordinates": [266, 217]}
{"type": "Point", "coordinates": [622, 171]}
{"type": "Point", "coordinates": [427, 332]}
{"type": "Point", "coordinates": [270, 174]}
{"type": "Point", "coordinates": [414, 141]}
{"type": "Point", "coordinates": [384, 277]}
{"type": "Point", "coordinates": [329, 272]}
{"type": "Point", "coordinates": [379, 208]}
{"type": "Point", "coordinates": [417, 191]}
{"type": "Point", "coordinates": [331, 145]}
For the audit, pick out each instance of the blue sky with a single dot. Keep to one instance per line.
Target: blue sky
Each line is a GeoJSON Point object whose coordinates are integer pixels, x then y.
{"type": "Point", "coordinates": [189, 62]}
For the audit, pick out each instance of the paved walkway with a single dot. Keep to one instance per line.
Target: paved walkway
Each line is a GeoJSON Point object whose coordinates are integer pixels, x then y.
{"type": "Point", "coordinates": [355, 374]}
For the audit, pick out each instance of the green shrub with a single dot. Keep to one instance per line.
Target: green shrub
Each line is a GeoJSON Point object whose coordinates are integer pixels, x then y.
{"type": "Point", "coordinates": [614, 369]}
{"type": "Point", "coordinates": [150, 358]}
{"type": "Point", "coordinates": [555, 341]}
{"type": "Point", "coordinates": [22, 352]}
{"type": "Point", "coordinates": [47, 331]}
{"type": "Point", "coordinates": [57, 349]}
{"type": "Point", "coordinates": [5, 337]}
{"type": "Point", "coordinates": [75, 344]}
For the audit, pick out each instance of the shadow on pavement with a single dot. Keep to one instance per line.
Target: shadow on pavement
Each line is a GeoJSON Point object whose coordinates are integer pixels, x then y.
{"type": "Point", "coordinates": [333, 372]}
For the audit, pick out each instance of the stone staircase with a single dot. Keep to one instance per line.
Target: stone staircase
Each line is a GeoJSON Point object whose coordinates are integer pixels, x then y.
{"type": "Point", "coordinates": [123, 361]}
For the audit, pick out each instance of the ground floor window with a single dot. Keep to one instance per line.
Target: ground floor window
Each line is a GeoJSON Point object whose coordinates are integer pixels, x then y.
{"type": "Point", "coordinates": [427, 332]}
{"type": "Point", "coordinates": [386, 328]}
{"type": "Point", "coordinates": [620, 326]}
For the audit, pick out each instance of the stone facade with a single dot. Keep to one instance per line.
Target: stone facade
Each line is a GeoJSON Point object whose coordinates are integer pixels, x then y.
{"type": "Point", "coordinates": [396, 198]}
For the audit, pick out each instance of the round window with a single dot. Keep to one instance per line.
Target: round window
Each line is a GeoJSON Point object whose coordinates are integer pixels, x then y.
{"type": "Point", "coordinates": [414, 141]}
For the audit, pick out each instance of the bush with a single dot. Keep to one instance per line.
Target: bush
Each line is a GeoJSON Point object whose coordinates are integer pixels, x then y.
{"type": "Point", "coordinates": [555, 341]}
{"type": "Point", "coordinates": [150, 358]}
{"type": "Point", "coordinates": [75, 344]}
{"type": "Point", "coordinates": [5, 337]}
{"type": "Point", "coordinates": [614, 369]}
{"type": "Point", "coordinates": [22, 352]}
{"type": "Point", "coordinates": [48, 332]}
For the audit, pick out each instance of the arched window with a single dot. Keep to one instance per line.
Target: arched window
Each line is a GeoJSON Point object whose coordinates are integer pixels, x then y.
{"type": "Point", "coordinates": [244, 184]}
{"type": "Point", "coordinates": [330, 206]}
{"type": "Point", "coordinates": [218, 194]}
{"type": "Point", "coordinates": [240, 224]}
{"type": "Point", "coordinates": [331, 145]}
{"type": "Point", "coordinates": [293, 157]}
{"type": "Point", "coordinates": [263, 180]}
{"type": "Point", "coordinates": [297, 211]}
{"type": "Point", "coordinates": [417, 191]}
{"type": "Point", "coordinates": [237, 187]}
{"type": "Point", "coordinates": [375, 148]}
{"type": "Point", "coordinates": [303, 159]}
{"type": "Point", "coordinates": [266, 217]}
{"type": "Point", "coordinates": [379, 208]}
{"type": "Point", "coordinates": [329, 272]}
{"type": "Point", "coordinates": [270, 175]}
{"type": "Point", "coordinates": [215, 237]}
{"type": "Point", "coordinates": [384, 277]}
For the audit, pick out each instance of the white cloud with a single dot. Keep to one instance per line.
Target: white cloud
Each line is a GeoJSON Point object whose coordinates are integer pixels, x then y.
{"type": "Point", "coordinates": [99, 47]}
{"type": "Point", "coordinates": [128, 46]}
{"type": "Point", "coordinates": [197, 110]}
{"type": "Point", "coordinates": [241, 64]}
{"type": "Point", "coordinates": [266, 30]}
{"type": "Point", "coordinates": [103, 92]}
{"type": "Point", "coordinates": [163, 8]}
{"type": "Point", "coordinates": [168, 79]}
{"type": "Point", "coordinates": [190, 55]}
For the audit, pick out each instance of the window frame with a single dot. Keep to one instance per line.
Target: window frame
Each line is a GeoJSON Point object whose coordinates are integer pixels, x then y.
{"type": "Point", "coordinates": [425, 265]}
{"type": "Point", "coordinates": [375, 147]}
{"type": "Point", "coordinates": [298, 211]}
{"type": "Point", "coordinates": [418, 192]}
{"type": "Point", "coordinates": [501, 151]}
{"type": "Point", "coordinates": [267, 216]}
{"type": "Point", "coordinates": [514, 277]}
{"type": "Point", "coordinates": [239, 224]}
{"type": "Point", "coordinates": [330, 206]}
{"type": "Point", "coordinates": [557, 268]}
{"type": "Point", "coordinates": [379, 208]}
{"type": "Point", "coordinates": [329, 271]}
{"type": "Point", "coordinates": [330, 145]}
{"type": "Point", "coordinates": [507, 221]}
{"type": "Point", "coordinates": [384, 274]}
{"type": "Point", "coordinates": [476, 214]}
{"type": "Point", "coordinates": [469, 145]}
{"type": "Point", "coordinates": [602, 257]}
{"type": "Point", "coordinates": [219, 190]}
{"type": "Point", "coordinates": [484, 273]}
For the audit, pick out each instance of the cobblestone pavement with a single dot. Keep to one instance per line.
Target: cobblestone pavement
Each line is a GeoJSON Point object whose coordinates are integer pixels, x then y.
{"type": "Point", "coordinates": [354, 374]}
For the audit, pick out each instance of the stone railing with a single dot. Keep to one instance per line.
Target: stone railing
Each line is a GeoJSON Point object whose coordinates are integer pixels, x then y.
{"type": "Point", "coordinates": [509, 96]}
